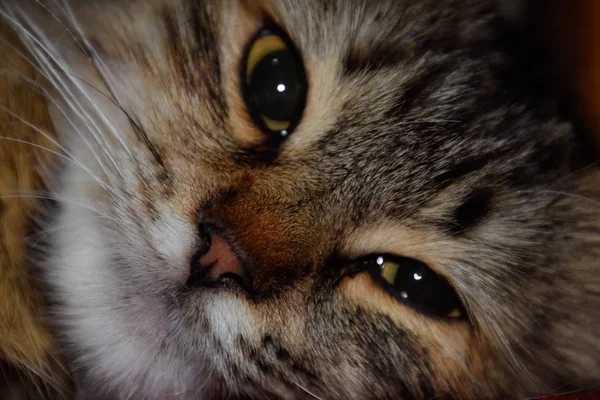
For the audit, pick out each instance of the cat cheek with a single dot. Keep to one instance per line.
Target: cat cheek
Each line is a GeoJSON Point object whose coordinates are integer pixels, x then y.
{"type": "Point", "coordinates": [450, 346]}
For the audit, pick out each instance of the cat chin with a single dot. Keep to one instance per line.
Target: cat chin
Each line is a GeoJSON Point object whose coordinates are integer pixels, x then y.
{"type": "Point", "coordinates": [119, 341]}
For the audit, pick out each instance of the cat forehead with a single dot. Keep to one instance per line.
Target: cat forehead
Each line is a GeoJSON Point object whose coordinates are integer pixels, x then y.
{"type": "Point", "coordinates": [399, 91]}
{"type": "Point", "coordinates": [366, 64]}
{"type": "Point", "coordinates": [403, 98]}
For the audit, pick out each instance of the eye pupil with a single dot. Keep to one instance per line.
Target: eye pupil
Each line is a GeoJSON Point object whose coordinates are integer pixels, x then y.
{"type": "Point", "coordinates": [275, 84]}
{"type": "Point", "coordinates": [413, 283]}
{"type": "Point", "coordinates": [273, 87]}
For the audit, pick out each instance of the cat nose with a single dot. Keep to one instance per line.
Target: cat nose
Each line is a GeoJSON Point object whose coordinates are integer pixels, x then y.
{"type": "Point", "coordinates": [214, 261]}
{"type": "Point", "coordinates": [220, 259]}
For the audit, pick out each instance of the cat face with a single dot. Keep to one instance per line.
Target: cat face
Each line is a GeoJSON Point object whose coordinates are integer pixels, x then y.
{"type": "Point", "coordinates": [366, 199]}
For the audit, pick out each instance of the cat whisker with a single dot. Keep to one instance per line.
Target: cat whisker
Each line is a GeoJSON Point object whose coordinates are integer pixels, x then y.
{"type": "Point", "coordinates": [64, 90]}
{"type": "Point", "coordinates": [52, 78]}
{"type": "Point", "coordinates": [106, 74]}
{"type": "Point", "coordinates": [103, 184]}
{"type": "Point", "coordinates": [571, 175]}
{"type": "Point", "coordinates": [132, 121]}
{"type": "Point", "coordinates": [89, 123]}
{"type": "Point", "coordinates": [559, 193]}
{"type": "Point", "coordinates": [54, 56]}
{"type": "Point", "coordinates": [70, 100]}
{"type": "Point", "coordinates": [208, 376]}
{"type": "Point", "coordinates": [577, 196]}
{"type": "Point", "coordinates": [70, 200]}
{"type": "Point", "coordinates": [45, 232]}
{"type": "Point", "coordinates": [34, 84]}
{"type": "Point", "coordinates": [67, 156]}
{"type": "Point", "coordinates": [38, 146]}
{"type": "Point", "coordinates": [307, 391]}
{"type": "Point", "coordinates": [66, 28]}
{"type": "Point", "coordinates": [50, 196]}
{"type": "Point", "coordinates": [107, 184]}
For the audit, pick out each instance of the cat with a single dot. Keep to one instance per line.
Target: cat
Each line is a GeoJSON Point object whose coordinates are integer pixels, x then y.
{"type": "Point", "coordinates": [311, 199]}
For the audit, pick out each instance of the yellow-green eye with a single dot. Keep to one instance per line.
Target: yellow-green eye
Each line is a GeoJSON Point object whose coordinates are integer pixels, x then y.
{"type": "Point", "coordinates": [274, 83]}
{"type": "Point", "coordinates": [415, 284]}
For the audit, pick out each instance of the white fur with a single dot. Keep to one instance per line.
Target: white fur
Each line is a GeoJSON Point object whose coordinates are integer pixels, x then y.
{"type": "Point", "coordinates": [116, 321]}
{"type": "Point", "coordinates": [120, 344]}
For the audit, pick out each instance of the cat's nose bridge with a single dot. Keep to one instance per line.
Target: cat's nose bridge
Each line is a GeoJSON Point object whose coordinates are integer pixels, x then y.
{"type": "Point", "coordinates": [266, 241]}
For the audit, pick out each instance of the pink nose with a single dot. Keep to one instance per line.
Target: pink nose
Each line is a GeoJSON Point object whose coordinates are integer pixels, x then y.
{"type": "Point", "coordinates": [221, 260]}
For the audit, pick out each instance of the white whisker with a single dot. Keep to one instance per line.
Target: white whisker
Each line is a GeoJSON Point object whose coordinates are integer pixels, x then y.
{"type": "Point", "coordinates": [58, 82]}
{"type": "Point", "coordinates": [307, 391]}
{"type": "Point", "coordinates": [55, 228]}
{"type": "Point", "coordinates": [67, 156]}
{"type": "Point", "coordinates": [54, 57]}
{"type": "Point", "coordinates": [39, 146]}
{"type": "Point", "coordinates": [51, 196]}
{"type": "Point", "coordinates": [66, 28]}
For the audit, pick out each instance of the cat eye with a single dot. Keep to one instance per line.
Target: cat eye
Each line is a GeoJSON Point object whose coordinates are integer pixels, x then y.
{"type": "Point", "coordinates": [413, 283]}
{"type": "Point", "coordinates": [274, 83]}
